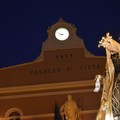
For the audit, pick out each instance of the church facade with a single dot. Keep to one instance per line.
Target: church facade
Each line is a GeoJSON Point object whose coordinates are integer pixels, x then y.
{"type": "Point", "coordinates": [64, 67]}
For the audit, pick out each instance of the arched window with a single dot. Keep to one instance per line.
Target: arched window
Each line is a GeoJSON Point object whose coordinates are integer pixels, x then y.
{"type": "Point", "coordinates": [14, 114]}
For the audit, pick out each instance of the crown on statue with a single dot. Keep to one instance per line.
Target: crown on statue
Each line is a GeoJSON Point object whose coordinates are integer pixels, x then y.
{"type": "Point", "coordinates": [105, 40]}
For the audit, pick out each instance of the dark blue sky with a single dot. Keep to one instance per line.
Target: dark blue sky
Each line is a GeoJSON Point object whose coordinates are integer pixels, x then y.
{"type": "Point", "coordinates": [23, 25]}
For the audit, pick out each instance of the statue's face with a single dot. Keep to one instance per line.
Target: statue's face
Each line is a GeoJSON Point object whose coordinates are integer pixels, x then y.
{"type": "Point", "coordinates": [69, 97]}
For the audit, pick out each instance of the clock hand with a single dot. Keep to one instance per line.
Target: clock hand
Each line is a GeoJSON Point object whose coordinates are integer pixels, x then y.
{"type": "Point", "coordinates": [60, 33]}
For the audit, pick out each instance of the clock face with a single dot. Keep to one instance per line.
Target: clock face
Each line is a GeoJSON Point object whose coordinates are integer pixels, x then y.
{"type": "Point", "coordinates": [61, 34]}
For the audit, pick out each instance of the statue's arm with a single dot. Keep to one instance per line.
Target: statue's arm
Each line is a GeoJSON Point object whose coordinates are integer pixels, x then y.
{"type": "Point", "coordinates": [62, 108]}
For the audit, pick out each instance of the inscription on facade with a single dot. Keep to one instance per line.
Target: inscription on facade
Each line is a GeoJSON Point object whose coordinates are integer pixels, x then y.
{"type": "Point", "coordinates": [62, 56]}
{"type": "Point", "coordinates": [68, 69]}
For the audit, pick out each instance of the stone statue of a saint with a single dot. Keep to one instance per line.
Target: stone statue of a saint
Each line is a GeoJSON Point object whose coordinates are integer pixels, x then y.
{"type": "Point", "coordinates": [70, 109]}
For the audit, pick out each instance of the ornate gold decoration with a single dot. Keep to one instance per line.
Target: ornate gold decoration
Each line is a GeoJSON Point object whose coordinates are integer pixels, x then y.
{"type": "Point", "coordinates": [110, 100]}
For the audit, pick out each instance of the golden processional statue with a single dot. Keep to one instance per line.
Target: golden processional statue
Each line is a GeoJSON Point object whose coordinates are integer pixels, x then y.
{"type": "Point", "coordinates": [70, 109]}
{"type": "Point", "coordinates": [110, 99]}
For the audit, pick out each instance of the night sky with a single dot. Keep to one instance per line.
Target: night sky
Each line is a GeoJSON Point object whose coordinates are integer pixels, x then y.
{"type": "Point", "coordinates": [24, 24]}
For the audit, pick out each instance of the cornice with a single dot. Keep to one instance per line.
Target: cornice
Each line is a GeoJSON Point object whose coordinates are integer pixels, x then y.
{"type": "Point", "coordinates": [51, 86]}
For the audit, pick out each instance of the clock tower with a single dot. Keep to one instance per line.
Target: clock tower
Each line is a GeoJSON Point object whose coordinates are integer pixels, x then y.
{"type": "Point", "coordinates": [62, 35]}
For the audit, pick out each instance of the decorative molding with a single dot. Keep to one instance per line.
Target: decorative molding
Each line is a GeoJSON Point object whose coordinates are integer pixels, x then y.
{"type": "Point", "coordinates": [51, 86]}
{"type": "Point", "coordinates": [46, 94]}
